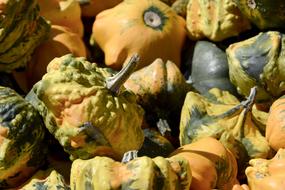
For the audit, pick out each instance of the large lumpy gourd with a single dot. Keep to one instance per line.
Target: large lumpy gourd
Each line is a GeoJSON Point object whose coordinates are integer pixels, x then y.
{"type": "Point", "coordinates": [21, 139]}
{"type": "Point", "coordinates": [86, 111]}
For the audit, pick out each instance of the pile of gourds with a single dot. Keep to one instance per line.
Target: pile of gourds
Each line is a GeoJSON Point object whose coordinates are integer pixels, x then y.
{"type": "Point", "coordinates": [142, 94]}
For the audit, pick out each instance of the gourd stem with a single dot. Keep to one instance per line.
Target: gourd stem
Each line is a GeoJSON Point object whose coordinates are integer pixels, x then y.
{"type": "Point", "coordinates": [114, 83]}
{"type": "Point", "coordinates": [130, 155]}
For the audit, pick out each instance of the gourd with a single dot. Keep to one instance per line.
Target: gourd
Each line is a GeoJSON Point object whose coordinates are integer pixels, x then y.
{"type": "Point", "coordinates": [216, 20]}
{"type": "Point", "coordinates": [63, 13]}
{"type": "Point", "coordinates": [147, 27]}
{"type": "Point", "coordinates": [180, 7]}
{"type": "Point", "coordinates": [275, 125]}
{"type": "Point", "coordinates": [22, 30]}
{"type": "Point", "coordinates": [155, 144]}
{"type": "Point", "coordinates": [61, 41]}
{"type": "Point", "coordinates": [90, 8]}
{"type": "Point", "coordinates": [22, 149]}
{"type": "Point", "coordinates": [259, 61]}
{"type": "Point", "coordinates": [87, 111]}
{"type": "Point", "coordinates": [263, 174]}
{"type": "Point", "coordinates": [212, 165]}
{"type": "Point", "coordinates": [263, 13]}
{"type": "Point", "coordinates": [160, 88]}
{"type": "Point", "coordinates": [138, 173]}
{"type": "Point", "coordinates": [208, 55]}
{"type": "Point", "coordinates": [48, 179]}
{"type": "Point", "coordinates": [220, 115]}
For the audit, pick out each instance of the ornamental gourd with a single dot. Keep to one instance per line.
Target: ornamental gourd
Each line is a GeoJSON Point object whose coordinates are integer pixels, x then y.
{"type": "Point", "coordinates": [215, 20]}
{"type": "Point", "coordinates": [259, 61]}
{"type": "Point", "coordinates": [63, 13]}
{"type": "Point", "coordinates": [61, 41]}
{"type": "Point", "coordinates": [265, 174]}
{"type": "Point", "coordinates": [21, 139]}
{"type": "Point", "coordinates": [86, 109]}
{"type": "Point", "coordinates": [147, 27]}
{"type": "Point", "coordinates": [46, 180]}
{"type": "Point", "coordinates": [160, 88]}
{"type": "Point", "coordinates": [263, 13]}
{"type": "Point", "coordinates": [142, 173]}
{"type": "Point", "coordinates": [275, 126]}
{"type": "Point", "coordinates": [22, 30]}
{"type": "Point", "coordinates": [208, 55]}
{"type": "Point", "coordinates": [212, 165]}
{"type": "Point", "coordinates": [220, 115]}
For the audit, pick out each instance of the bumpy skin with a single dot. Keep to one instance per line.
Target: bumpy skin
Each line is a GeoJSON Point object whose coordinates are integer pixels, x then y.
{"type": "Point", "coordinates": [83, 115]}
{"type": "Point", "coordinates": [259, 61]}
{"type": "Point", "coordinates": [215, 19]}
{"type": "Point", "coordinates": [204, 116]}
{"type": "Point", "coordinates": [122, 31]}
{"type": "Point", "coordinates": [263, 13]}
{"type": "Point", "coordinates": [21, 135]}
{"type": "Point", "coordinates": [265, 174]}
{"type": "Point", "coordinates": [21, 31]}
{"type": "Point", "coordinates": [141, 173]}
{"type": "Point", "coordinates": [46, 180]}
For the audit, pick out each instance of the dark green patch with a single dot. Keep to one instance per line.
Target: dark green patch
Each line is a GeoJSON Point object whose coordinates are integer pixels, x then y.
{"type": "Point", "coordinates": [254, 57]}
{"type": "Point", "coordinates": [40, 186]}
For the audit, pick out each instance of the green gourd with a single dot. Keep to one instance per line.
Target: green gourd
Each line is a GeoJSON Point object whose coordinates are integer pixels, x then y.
{"type": "Point", "coordinates": [86, 109]}
{"type": "Point", "coordinates": [22, 132]}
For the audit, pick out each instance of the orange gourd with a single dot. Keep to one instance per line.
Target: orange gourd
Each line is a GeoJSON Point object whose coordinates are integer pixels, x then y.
{"type": "Point", "coordinates": [147, 27]}
{"type": "Point", "coordinates": [275, 126]}
{"type": "Point", "coordinates": [64, 13]}
{"type": "Point", "coordinates": [212, 165]}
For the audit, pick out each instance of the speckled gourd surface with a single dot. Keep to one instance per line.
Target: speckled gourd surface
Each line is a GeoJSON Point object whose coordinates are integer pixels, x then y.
{"type": "Point", "coordinates": [21, 139]}
{"type": "Point", "coordinates": [84, 116]}
{"type": "Point", "coordinates": [22, 30]}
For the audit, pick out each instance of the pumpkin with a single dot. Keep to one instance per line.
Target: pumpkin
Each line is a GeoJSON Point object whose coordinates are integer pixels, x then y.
{"type": "Point", "coordinates": [60, 42]}
{"type": "Point", "coordinates": [208, 55]}
{"type": "Point", "coordinates": [212, 165]}
{"type": "Point", "coordinates": [142, 173]}
{"type": "Point", "coordinates": [258, 61]}
{"type": "Point", "coordinates": [21, 31]}
{"type": "Point", "coordinates": [220, 115]}
{"type": "Point", "coordinates": [240, 187]}
{"type": "Point", "coordinates": [22, 149]}
{"type": "Point", "coordinates": [48, 179]}
{"type": "Point", "coordinates": [64, 13]}
{"type": "Point", "coordinates": [7, 80]}
{"type": "Point", "coordinates": [265, 174]}
{"type": "Point", "coordinates": [160, 88]}
{"type": "Point", "coordinates": [216, 20]}
{"type": "Point", "coordinates": [146, 27]}
{"type": "Point", "coordinates": [275, 132]}
{"type": "Point", "coordinates": [155, 144]}
{"type": "Point", "coordinates": [90, 8]}
{"type": "Point", "coordinates": [86, 109]}
{"type": "Point", "coordinates": [263, 13]}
